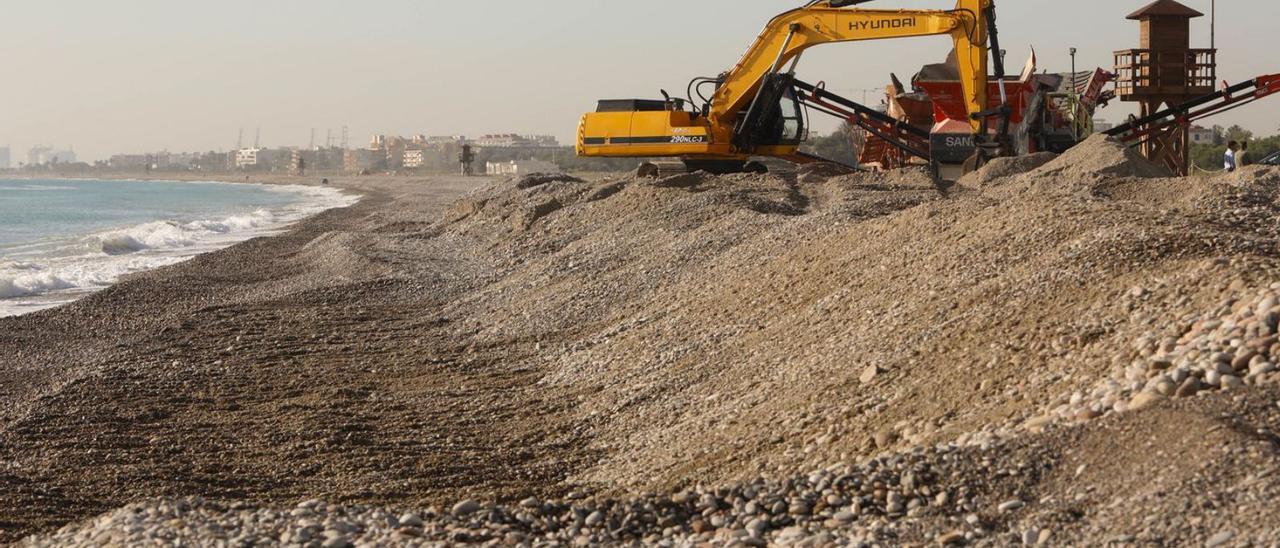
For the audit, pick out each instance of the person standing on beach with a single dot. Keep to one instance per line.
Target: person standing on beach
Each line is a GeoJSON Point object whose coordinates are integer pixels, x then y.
{"type": "Point", "coordinates": [1242, 157]}
{"type": "Point", "coordinates": [1229, 159]}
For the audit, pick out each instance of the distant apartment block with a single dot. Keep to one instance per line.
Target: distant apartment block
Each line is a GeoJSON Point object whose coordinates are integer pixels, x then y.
{"type": "Point", "coordinates": [40, 155]}
{"type": "Point", "coordinates": [543, 140]}
{"type": "Point", "coordinates": [318, 159]}
{"type": "Point", "coordinates": [511, 140]}
{"type": "Point", "coordinates": [213, 161]}
{"type": "Point", "coordinates": [1201, 135]}
{"type": "Point", "coordinates": [364, 160]}
{"type": "Point", "coordinates": [254, 158]}
{"type": "Point", "coordinates": [499, 140]}
{"type": "Point", "coordinates": [179, 161]}
{"type": "Point", "coordinates": [130, 162]}
{"type": "Point", "coordinates": [414, 158]}
{"type": "Point", "coordinates": [161, 161]}
{"type": "Point", "coordinates": [520, 167]}
{"type": "Point", "coordinates": [4, 158]}
{"type": "Point", "coordinates": [443, 140]}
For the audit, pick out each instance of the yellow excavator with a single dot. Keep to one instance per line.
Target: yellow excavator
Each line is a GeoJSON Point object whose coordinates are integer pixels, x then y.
{"type": "Point", "coordinates": [756, 110]}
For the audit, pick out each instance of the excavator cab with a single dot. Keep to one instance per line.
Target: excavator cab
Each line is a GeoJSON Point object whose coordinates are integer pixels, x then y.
{"type": "Point", "coordinates": [775, 118]}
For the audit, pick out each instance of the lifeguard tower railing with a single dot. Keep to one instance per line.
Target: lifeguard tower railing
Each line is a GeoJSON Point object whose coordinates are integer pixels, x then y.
{"type": "Point", "coordinates": [1144, 72]}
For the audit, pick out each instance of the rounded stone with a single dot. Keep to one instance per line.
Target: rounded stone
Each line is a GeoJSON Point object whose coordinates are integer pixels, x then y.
{"type": "Point", "coordinates": [466, 508]}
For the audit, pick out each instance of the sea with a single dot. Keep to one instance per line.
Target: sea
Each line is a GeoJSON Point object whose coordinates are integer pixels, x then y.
{"type": "Point", "coordinates": [61, 239]}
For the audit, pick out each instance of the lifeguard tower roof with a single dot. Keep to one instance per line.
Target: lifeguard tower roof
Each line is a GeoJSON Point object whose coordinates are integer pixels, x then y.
{"type": "Point", "coordinates": [1164, 8]}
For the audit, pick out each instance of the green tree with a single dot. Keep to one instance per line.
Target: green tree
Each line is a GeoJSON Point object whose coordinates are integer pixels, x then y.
{"type": "Point", "coordinates": [1239, 134]}
{"type": "Point", "coordinates": [1207, 157]}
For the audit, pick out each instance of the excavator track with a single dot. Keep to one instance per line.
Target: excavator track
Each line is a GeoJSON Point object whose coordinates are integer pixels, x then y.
{"type": "Point", "coordinates": [667, 168]}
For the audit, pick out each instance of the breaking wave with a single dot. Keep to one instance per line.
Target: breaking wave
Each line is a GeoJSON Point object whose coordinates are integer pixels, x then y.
{"type": "Point", "coordinates": [24, 285]}
{"type": "Point", "coordinates": [98, 260]}
{"type": "Point", "coordinates": [160, 235]}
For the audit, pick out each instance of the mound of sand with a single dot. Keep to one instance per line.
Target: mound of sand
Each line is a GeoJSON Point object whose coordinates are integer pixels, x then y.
{"type": "Point", "coordinates": [742, 307]}
{"type": "Point", "coordinates": [1100, 156]}
{"type": "Point", "coordinates": [721, 328]}
{"type": "Point", "coordinates": [1003, 168]}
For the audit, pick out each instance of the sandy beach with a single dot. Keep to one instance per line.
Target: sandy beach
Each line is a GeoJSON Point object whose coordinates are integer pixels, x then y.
{"type": "Point", "coordinates": [1067, 351]}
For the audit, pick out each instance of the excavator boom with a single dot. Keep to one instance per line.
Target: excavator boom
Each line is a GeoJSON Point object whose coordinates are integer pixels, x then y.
{"type": "Point", "coordinates": [788, 35]}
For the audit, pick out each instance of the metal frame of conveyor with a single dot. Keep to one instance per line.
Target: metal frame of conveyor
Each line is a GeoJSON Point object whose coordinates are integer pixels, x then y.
{"type": "Point", "coordinates": [901, 135]}
{"type": "Point", "coordinates": [1140, 130]}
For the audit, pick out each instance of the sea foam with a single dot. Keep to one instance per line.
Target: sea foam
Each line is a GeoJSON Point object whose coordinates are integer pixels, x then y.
{"type": "Point", "coordinates": [162, 235]}
{"type": "Point", "coordinates": [99, 260]}
{"type": "Point", "coordinates": [25, 285]}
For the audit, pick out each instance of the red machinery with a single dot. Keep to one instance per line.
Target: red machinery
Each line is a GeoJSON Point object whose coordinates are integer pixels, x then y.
{"type": "Point", "coordinates": [1037, 105]}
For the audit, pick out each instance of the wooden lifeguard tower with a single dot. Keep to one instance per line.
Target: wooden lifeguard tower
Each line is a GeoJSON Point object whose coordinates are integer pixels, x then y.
{"type": "Point", "coordinates": [1164, 73]}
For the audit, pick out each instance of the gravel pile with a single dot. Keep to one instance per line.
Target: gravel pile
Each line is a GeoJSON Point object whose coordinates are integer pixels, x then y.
{"type": "Point", "coordinates": [1098, 157]}
{"type": "Point", "coordinates": [1004, 168]}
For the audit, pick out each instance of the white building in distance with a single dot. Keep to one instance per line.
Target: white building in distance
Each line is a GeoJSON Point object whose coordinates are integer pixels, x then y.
{"type": "Point", "coordinates": [511, 140]}
{"type": "Point", "coordinates": [520, 167]}
{"type": "Point", "coordinates": [253, 158]}
{"type": "Point", "coordinates": [43, 155]}
{"type": "Point", "coordinates": [1201, 135]}
{"type": "Point", "coordinates": [414, 158]}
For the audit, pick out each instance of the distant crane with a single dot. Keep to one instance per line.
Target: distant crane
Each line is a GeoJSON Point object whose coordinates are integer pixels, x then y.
{"type": "Point", "coordinates": [240, 140]}
{"type": "Point", "coordinates": [313, 139]}
{"type": "Point", "coordinates": [345, 135]}
{"type": "Point", "coordinates": [257, 138]}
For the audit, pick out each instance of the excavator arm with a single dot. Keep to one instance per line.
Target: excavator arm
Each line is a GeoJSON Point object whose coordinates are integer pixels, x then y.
{"type": "Point", "coordinates": [754, 110]}
{"type": "Point", "coordinates": [788, 35]}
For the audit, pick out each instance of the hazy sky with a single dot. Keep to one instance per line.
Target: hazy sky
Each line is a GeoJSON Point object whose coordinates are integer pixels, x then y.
{"type": "Point", "coordinates": [144, 75]}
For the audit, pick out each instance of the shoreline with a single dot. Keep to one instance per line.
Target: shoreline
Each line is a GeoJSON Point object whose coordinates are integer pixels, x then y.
{"type": "Point", "coordinates": [169, 319]}
{"type": "Point", "coordinates": [42, 282]}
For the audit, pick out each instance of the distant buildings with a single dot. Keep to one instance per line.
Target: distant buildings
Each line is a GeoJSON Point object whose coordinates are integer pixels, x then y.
{"type": "Point", "coordinates": [394, 153]}
{"type": "Point", "coordinates": [41, 155]}
{"type": "Point", "coordinates": [520, 167]}
{"type": "Point", "coordinates": [130, 162]}
{"type": "Point", "coordinates": [420, 152]}
{"type": "Point", "coordinates": [4, 157]}
{"type": "Point", "coordinates": [182, 161]}
{"type": "Point", "coordinates": [255, 158]}
{"type": "Point", "coordinates": [1202, 136]}
{"type": "Point", "coordinates": [363, 160]}
{"type": "Point", "coordinates": [319, 159]}
{"type": "Point", "coordinates": [443, 140]}
{"type": "Point", "coordinates": [511, 140]}
{"type": "Point", "coordinates": [384, 153]}
{"type": "Point", "coordinates": [414, 159]}
{"type": "Point", "coordinates": [212, 161]}
{"type": "Point", "coordinates": [159, 161]}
